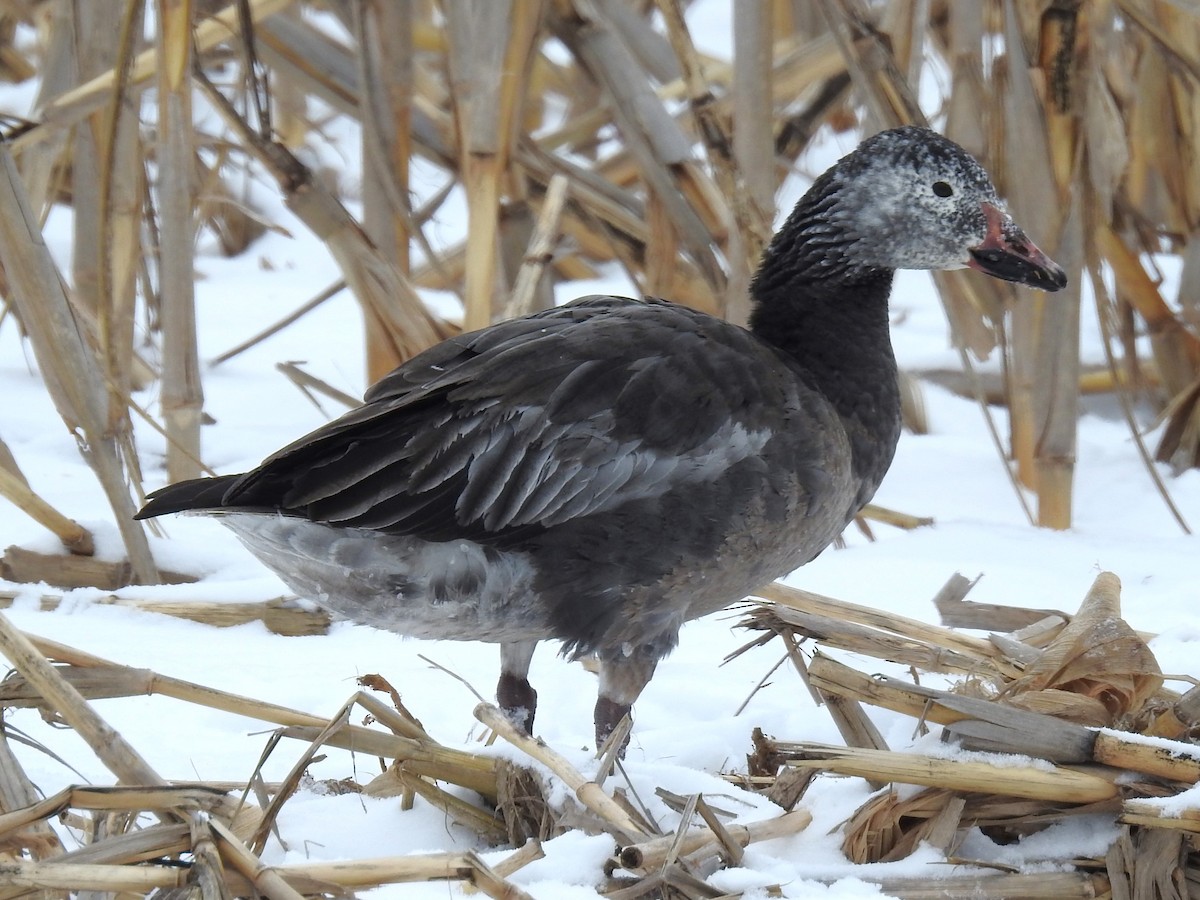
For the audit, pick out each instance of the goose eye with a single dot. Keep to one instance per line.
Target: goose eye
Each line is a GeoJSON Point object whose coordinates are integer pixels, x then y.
{"type": "Point", "coordinates": [942, 189]}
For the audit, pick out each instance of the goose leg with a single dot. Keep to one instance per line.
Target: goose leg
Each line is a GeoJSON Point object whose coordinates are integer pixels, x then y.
{"type": "Point", "coordinates": [514, 693]}
{"type": "Point", "coordinates": [623, 675]}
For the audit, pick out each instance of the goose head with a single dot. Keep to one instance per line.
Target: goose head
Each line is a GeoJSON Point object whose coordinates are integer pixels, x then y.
{"type": "Point", "coordinates": [909, 198]}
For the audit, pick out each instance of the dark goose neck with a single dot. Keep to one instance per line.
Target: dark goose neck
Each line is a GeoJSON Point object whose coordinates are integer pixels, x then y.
{"type": "Point", "coordinates": [832, 321]}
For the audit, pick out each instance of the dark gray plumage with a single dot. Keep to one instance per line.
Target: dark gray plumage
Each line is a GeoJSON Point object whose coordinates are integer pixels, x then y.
{"type": "Point", "coordinates": [605, 471]}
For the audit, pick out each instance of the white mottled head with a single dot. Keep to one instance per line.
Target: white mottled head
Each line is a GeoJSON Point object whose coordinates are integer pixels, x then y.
{"type": "Point", "coordinates": [907, 198]}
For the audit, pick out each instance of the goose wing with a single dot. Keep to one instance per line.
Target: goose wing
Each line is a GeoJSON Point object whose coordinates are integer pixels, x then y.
{"type": "Point", "coordinates": [531, 423]}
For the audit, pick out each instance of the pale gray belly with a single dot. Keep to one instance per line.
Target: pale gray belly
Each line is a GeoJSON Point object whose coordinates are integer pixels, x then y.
{"type": "Point", "coordinates": [457, 590]}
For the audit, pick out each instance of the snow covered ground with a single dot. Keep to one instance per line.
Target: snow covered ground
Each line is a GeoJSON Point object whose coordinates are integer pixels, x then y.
{"type": "Point", "coordinates": [687, 729]}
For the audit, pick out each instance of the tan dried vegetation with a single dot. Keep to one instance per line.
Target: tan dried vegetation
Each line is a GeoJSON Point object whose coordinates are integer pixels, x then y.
{"type": "Point", "coordinates": [1068, 713]}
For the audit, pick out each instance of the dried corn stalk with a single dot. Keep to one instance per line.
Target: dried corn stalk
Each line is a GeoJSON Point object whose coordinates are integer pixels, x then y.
{"type": "Point", "coordinates": [1036, 675]}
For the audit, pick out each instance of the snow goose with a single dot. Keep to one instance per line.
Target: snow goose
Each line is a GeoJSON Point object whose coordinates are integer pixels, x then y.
{"type": "Point", "coordinates": [602, 472]}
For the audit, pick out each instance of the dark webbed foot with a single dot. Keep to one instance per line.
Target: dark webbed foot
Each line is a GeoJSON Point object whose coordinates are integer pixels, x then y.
{"type": "Point", "coordinates": [624, 671]}
{"type": "Point", "coordinates": [518, 700]}
{"type": "Point", "coordinates": [514, 693]}
{"type": "Point", "coordinates": [609, 714]}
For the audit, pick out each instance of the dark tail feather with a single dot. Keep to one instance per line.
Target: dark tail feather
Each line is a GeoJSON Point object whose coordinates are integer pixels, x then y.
{"type": "Point", "coordinates": [197, 494]}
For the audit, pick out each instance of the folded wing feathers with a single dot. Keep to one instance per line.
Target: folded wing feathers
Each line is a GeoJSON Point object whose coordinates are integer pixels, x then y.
{"type": "Point", "coordinates": [489, 472]}
{"type": "Point", "coordinates": [523, 427]}
{"type": "Point", "coordinates": [331, 478]}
